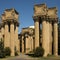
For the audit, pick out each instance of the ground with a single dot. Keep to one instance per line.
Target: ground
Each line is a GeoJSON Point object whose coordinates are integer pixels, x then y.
{"type": "Point", "coordinates": [25, 57]}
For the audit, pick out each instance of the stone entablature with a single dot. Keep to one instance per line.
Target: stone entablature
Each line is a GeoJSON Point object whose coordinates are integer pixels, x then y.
{"type": "Point", "coordinates": [40, 10]}
{"type": "Point", "coordinates": [52, 12]}
{"type": "Point", "coordinates": [27, 30]}
{"type": "Point", "coordinates": [10, 14]}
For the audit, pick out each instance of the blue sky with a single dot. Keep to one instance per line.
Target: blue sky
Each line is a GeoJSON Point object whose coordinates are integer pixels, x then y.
{"type": "Point", "coordinates": [25, 9]}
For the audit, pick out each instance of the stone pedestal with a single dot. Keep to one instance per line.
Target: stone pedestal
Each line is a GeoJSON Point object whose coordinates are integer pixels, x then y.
{"type": "Point", "coordinates": [36, 23]}
{"type": "Point", "coordinates": [55, 38]}
{"type": "Point", "coordinates": [7, 36]}
{"type": "Point", "coordinates": [12, 39]}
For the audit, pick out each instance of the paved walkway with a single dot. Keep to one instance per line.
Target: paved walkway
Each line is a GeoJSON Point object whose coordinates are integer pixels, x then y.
{"type": "Point", "coordinates": [21, 57]}
{"type": "Point", "coordinates": [26, 57]}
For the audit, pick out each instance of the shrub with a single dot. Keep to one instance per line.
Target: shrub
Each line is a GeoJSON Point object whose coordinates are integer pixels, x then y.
{"type": "Point", "coordinates": [7, 51]}
{"type": "Point", "coordinates": [49, 55]}
{"type": "Point", "coordinates": [39, 52]}
{"type": "Point", "coordinates": [16, 53]}
{"type": "Point", "coordinates": [2, 54]}
{"type": "Point", "coordinates": [2, 51]}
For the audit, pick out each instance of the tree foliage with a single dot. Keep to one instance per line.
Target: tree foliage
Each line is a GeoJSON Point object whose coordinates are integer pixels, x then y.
{"type": "Point", "coordinates": [39, 52]}
{"type": "Point", "coordinates": [7, 51]}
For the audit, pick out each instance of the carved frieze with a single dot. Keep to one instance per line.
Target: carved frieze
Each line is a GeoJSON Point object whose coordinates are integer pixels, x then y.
{"type": "Point", "coordinates": [40, 10]}
{"type": "Point", "coordinates": [10, 14]}
{"type": "Point", "coordinates": [52, 12]}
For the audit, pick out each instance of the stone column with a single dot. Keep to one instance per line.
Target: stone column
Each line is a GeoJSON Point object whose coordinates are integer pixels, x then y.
{"type": "Point", "coordinates": [23, 44]}
{"type": "Point", "coordinates": [36, 24]}
{"type": "Point", "coordinates": [17, 43]}
{"type": "Point", "coordinates": [27, 44]}
{"type": "Point", "coordinates": [45, 36]}
{"type": "Point", "coordinates": [31, 43]}
{"type": "Point", "coordinates": [2, 33]}
{"type": "Point", "coordinates": [2, 30]}
{"type": "Point", "coordinates": [50, 44]}
{"type": "Point", "coordinates": [12, 41]}
{"type": "Point", "coordinates": [55, 38]}
{"type": "Point", "coordinates": [7, 38]}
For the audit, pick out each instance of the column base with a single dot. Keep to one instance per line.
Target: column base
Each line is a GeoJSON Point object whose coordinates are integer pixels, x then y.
{"type": "Point", "coordinates": [12, 54]}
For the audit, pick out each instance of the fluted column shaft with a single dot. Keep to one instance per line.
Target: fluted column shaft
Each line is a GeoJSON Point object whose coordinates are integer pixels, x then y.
{"type": "Point", "coordinates": [2, 30]}
{"type": "Point", "coordinates": [31, 43]}
{"type": "Point", "coordinates": [16, 40]}
{"type": "Point", "coordinates": [50, 44]}
{"type": "Point", "coordinates": [55, 38]}
{"type": "Point", "coordinates": [23, 44]}
{"type": "Point", "coordinates": [7, 37]}
{"type": "Point", "coordinates": [36, 23]}
{"type": "Point", "coordinates": [0, 35]}
{"type": "Point", "coordinates": [27, 44]}
{"type": "Point", "coordinates": [45, 36]}
{"type": "Point", "coordinates": [12, 39]}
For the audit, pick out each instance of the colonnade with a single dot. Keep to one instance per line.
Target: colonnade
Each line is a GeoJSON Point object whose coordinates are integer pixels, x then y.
{"type": "Point", "coordinates": [27, 43]}
{"type": "Point", "coordinates": [10, 30]}
{"type": "Point", "coordinates": [49, 23]}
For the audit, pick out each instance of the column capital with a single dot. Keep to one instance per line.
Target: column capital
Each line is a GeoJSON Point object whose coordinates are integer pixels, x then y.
{"type": "Point", "coordinates": [50, 19]}
{"type": "Point", "coordinates": [45, 18]}
{"type": "Point", "coordinates": [35, 18]}
{"type": "Point", "coordinates": [55, 20]}
{"type": "Point", "coordinates": [17, 24]}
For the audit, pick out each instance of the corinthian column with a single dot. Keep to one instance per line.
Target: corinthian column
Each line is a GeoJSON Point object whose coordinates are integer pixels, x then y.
{"type": "Point", "coordinates": [27, 43]}
{"type": "Point", "coordinates": [2, 32]}
{"type": "Point", "coordinates": [7, 38]}
{"type": "Point", "coordinates": [36, 23]}
{"type": "Point", "coordinates": [50, 28]}
{"type": "Point", "coordinates": [55, 38]}
{"type": "Point", "coordinates": [12, 39]}
{"type": "Point", "coordinates": [23, 44]}
{"type": "Point", "coordinates": [16, 40]}
{"type": "Point", "coordinates": [45, 36]}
